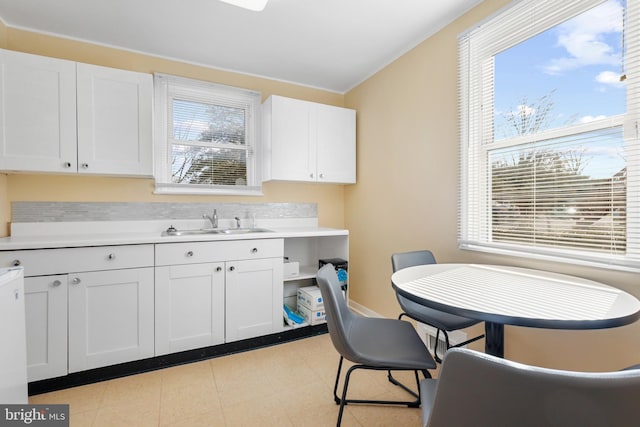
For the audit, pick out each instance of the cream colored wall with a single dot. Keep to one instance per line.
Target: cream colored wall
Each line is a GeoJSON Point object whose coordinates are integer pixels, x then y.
{"type": "Point", "coordinates": [406, 198]}
{"type": "Point", "coordinates": [46, 187]}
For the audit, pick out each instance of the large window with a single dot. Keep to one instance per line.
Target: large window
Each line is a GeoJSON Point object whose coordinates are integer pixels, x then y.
{"type": "Point", "coordinates": [550, 158]}
{"type": "Point", "coordinates": [205, 138]}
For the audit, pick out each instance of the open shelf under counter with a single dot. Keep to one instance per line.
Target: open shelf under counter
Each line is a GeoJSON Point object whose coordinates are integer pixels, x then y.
{"type": "Point", "coordinates": [305, 272]}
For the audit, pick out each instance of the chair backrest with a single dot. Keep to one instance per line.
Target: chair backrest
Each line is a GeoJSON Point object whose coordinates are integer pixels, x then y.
{"type": "Point", "coordinates": [409, 259]}
{"type": "Point", "coordinates": [339, 316]}
{"type": "Point", "coordinates": [477, 389]}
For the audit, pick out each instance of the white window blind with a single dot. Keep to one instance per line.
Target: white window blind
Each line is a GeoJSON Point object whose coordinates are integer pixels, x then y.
{"type": "Point", "coordinates": [206, 137]}
{"type": "Point", "coordinates": [533, 183]}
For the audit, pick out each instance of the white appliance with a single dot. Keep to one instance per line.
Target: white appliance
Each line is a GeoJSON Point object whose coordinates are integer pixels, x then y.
{"type": "Point", "coordinates": [13, 339]}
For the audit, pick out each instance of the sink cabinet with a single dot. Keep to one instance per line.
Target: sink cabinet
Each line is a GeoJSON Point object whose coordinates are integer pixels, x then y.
{"type": "Point", "coordinates": [208, 293]}
{"type": "Point", "coordinates": [62, 116]}
{"type": "Point", "coordinates": [307, 141]}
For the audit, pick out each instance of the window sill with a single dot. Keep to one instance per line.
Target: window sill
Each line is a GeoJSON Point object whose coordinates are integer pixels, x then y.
{"type": "Point", "coordinates": [207, 190]}
{"type": "Point", "coordinates": [603, 262]}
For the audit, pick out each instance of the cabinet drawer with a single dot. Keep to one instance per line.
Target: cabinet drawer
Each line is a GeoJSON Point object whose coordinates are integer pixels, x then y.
{"type": "Point", "coordinates": [197, 252]}
{"type": "Point", "coordinates": [41, 262]}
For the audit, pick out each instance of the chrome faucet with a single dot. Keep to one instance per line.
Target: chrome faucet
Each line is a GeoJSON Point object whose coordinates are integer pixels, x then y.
{"type": "Point", "coordinates": [237, 222]}
{"type": "Point", "coordinates": [213, 219]}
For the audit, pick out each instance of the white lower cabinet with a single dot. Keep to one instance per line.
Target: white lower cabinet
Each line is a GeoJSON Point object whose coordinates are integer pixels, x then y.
{"type": "Point", "coordinates": [110, 317]}
{"type": "Point", "coordinates": [90, 307]}
{"type": "Point", "coordinates": [253, 298]}
{"type": "Point", "coordinates": [208, 293]}
{"type": "Point", "coordinates": [86, 307]}
{"type": "Point", "coordinates": [46, 324]}
{"type": "Point", "coordinates": [189, 307]}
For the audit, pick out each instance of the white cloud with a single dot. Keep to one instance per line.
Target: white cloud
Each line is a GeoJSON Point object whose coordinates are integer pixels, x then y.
{"type": "Point", "coordinates": [609, 78]}
{"type": "Point", "coordinates": [582, 38]}
{"type": "Point", "coordinates": [522, 111]}
{"type": "Point", "coordinates": [587, 119]}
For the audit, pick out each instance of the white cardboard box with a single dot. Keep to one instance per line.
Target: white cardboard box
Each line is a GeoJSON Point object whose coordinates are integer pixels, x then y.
{"type": "Point", "coordinates": [290, 269]}
{"type": "Point", "coordinates": [310, 297]}
{"type": "Point", "coordinates": [313, 317]}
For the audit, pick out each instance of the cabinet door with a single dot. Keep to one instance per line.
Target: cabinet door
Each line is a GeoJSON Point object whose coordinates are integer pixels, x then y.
{"type": "Point", "coordinates": [291, 155]}
{"type": "Point", "coordinates": [336, 144]}
{"type": "Point", "coordinates": [46, 320]}
{"type": "Point", "coordinates": [110, 317]}
{"type": "Point", "coordinates": [37, 113]}
{"type": "Point", "coordinates": [253, 298]}
{"type": "Point", "coordinates": [189, 307]}
{"type": "Point", "coordinates": [114, 121]}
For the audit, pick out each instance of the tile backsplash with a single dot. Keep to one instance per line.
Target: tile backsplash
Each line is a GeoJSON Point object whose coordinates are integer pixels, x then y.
{"type": "Point", "coordinates": [125, 211]}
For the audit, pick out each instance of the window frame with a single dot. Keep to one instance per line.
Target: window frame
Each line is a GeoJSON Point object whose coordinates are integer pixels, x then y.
{"type": "Point", "coordinates": [167, 88]}
{"type": "Point", "coordinates": [477, 47]}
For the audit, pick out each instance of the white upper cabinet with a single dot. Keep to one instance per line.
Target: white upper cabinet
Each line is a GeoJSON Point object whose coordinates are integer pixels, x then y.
{"type": "Point", "coordinates": [62, 116]}
{"type": "Point", "coordinates": [114, 121]}
{"type": "Point", "coordinates": [307, 141]}
{"type": "Point", "coordinates": [37, 113]}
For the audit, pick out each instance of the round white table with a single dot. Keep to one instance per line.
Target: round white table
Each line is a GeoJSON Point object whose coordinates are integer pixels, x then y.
{"type": "Point", "coordinates": [501, 295]}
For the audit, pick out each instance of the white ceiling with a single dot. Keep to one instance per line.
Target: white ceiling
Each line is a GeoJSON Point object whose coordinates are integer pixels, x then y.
{"type": "Point", "coordinates": [327, 44]}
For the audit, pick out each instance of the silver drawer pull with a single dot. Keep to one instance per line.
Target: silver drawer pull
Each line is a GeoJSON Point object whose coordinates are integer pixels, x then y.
{"type": "Point", "coordinates": [190, 253]}
{"type": "Point", "coordinates": [232, 268]}
{"type": "Point", "coordinates": [76, 281]}
{"type": "Point", "coordinates": [16, 263]}
{"type": "Point", "coordinates": [218, 268]}
{"type": "Point", "coordinates": [111, 256]}
{"type": "Point", "coordinates": [56, 283]}
{"type": "Point", "coordinates": [254, 250]}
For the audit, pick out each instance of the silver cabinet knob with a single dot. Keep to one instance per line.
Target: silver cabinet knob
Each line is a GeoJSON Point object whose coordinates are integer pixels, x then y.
{"type": "Point", "coordinates": [218, 268]}
{"type": "Point", "coordinates": [321, 175]}
{"type": "Point", "coordinates": [190, 253]}
{"type": "Point", "coordinates": [111, 256]}
{"type": "Point", "coordinates": [311, 175]}
{"type": "Point", "coordinates": [16, 263]}
{"type": "Point", "coordinates": [254, 250]}
{"type": "Point", "coordinates": [76, 281]}
{"type": "Point", "coordinates": [232, 268]}
{"type": "Point", "coordinates": [56, 283]}
{"type": "Point", "coordinates": [85, 166]}
{"type": "Point", "coordinates": [67, 165]}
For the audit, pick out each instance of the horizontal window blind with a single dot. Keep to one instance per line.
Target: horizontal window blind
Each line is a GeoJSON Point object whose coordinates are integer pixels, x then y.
{"type": "Point", "coordinates": [546, 193]}
{"type": "Point", "coordinates": [207, 137]}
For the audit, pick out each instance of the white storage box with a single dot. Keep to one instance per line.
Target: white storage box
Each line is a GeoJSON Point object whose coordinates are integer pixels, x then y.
{"type": "Point", "coordinates": [312, 317]}
{"type": "Point", "coordinates": [310, 297]}
{"type": "Point", "coordinates": [290, 268]}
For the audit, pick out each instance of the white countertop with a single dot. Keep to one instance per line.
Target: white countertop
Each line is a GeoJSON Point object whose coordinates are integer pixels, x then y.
{"type": "Point", "coordinates": [67, 235]}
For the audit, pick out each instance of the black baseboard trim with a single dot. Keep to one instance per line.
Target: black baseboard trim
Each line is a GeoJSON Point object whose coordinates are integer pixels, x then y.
{"type": "Point", "coordinates": [174, 359]}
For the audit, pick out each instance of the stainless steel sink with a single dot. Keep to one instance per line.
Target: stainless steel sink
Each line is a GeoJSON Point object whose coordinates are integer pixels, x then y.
{"type": "Point", "coordinates": [242, 230]}
{"type": "Point", "coordinates": [174, 232]}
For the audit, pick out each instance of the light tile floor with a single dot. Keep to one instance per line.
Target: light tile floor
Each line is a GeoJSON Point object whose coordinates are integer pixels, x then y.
{"type": "Point", "coordinates": [289, 384]}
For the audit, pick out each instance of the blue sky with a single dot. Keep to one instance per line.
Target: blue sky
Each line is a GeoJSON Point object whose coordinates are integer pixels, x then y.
{"type": "Point", "coordinates": [579, 62]}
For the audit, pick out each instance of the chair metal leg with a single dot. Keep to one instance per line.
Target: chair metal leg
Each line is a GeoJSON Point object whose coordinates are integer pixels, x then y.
{"type": "Point", "coordinates": [335, 386]}
{"type": "Point", "coordinates": [343, 401]}
{"type": "Point", "coordinates": [448, 344]}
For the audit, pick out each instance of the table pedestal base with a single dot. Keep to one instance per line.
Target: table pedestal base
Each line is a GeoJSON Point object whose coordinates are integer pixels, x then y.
{"type": "Point", "coordinates": [494, 339]}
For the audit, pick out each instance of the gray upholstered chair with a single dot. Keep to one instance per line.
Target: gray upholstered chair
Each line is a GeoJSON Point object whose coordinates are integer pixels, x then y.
{"type": "Point", "coordinates": [370, 343]}
{"type": "Point", "coordinates": [476, 389]}
{"type": "Point", "coordinates": [443, 322]}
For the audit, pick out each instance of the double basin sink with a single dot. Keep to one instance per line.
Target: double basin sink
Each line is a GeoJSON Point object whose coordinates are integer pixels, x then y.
{"type": "Point", "coordinates": [175, 232]}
